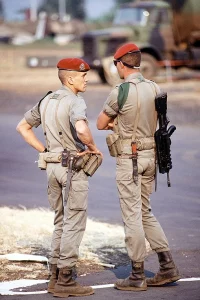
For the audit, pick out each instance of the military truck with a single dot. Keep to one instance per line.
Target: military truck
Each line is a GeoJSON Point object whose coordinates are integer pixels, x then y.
{"type": "Point", "coordinates": [167, 32]}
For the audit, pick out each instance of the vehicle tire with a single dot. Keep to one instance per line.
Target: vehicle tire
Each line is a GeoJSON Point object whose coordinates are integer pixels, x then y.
{"type": "Point", "coordinates": [149, 66]}
{"type": "Point", "coordinates": [110, 71]}
{"type": "Point", "coordinates": [102, 75]}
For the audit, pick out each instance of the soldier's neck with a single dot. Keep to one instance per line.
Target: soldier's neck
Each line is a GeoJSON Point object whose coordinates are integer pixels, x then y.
{"type": "Point", "coordinates": [129, 71]}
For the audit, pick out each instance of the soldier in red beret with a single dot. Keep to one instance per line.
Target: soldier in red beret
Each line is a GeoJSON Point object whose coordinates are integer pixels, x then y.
{"type": "Point", "coordinates": [130, 112]}
{"type": "Point", "coordinates": [62, 115]}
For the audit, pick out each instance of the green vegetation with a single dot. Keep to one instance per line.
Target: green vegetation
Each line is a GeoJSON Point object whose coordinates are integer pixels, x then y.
{"type": "Point", "coordinates": [46, 43]}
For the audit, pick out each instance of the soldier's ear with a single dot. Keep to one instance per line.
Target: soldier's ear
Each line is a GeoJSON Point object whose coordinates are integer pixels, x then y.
{"type": "Point", "coordinates": [70, 80]}
{"type": "Point", "coordinates": [121, 64]}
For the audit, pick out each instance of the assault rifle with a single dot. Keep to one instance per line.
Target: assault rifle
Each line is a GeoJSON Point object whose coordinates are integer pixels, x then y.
{"type": "Point", "coordinates": [162, 136]}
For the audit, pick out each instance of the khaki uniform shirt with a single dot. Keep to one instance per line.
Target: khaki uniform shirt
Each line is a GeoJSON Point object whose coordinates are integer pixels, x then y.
{"type": "Point", "coordinates": [147, 91]}
{"type": "Point", "coordinates": [70, 109]}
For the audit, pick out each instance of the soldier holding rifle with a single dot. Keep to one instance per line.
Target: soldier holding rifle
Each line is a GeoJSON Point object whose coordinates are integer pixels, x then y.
{"type": "Point", "coordinates": [130, 112]}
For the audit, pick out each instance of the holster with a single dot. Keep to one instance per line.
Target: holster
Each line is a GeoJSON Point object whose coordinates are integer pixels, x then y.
{"type": "Point", "coordinates": [114, 144]}
{"type": "Point", "coordinates": [89, 163]}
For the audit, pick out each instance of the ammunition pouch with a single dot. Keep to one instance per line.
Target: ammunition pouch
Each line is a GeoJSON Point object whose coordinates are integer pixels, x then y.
{"type": "Point", "coordinates": [114, 144]}
{"type": "Point", "coordinates": [89, 163]}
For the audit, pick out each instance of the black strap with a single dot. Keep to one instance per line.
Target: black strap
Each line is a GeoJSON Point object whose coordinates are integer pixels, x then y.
{"type": "Point", "coordinates": [49, 92]}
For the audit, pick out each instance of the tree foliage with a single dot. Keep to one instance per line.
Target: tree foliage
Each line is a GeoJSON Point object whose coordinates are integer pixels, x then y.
{"type": "Point", "coordinates": [118, 2]}
{"type": "Point", "coordinates": [75, 8]}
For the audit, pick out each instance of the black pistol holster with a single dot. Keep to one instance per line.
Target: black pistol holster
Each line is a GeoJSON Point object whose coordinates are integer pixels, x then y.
{"type": "Point", "coordinates": [162, 136]}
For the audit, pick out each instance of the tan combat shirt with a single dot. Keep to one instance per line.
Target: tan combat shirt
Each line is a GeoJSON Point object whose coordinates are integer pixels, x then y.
{"type": "Point", "coordinates": [70, 109]}
{"type": "Point", "coordinates": [147, 91]}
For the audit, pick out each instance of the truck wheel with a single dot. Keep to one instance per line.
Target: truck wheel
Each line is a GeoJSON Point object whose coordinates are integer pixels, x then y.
{"type": "Point", "coordinates": [110, 71]}
{"type": "Point", "coordinates": [149, 66]}
{"type": "Point", "coordinates": [102, 75]}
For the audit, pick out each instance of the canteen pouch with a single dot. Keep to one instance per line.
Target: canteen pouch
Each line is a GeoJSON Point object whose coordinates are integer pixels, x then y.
{"type": "Point", "coordinates": [47, 157]}
{"type": "Point", "coordinates": [91, 163]}
{"type": "Point", "coordinates": [114, 144]}
{"type": "Point", "coordinates": [41, 161]}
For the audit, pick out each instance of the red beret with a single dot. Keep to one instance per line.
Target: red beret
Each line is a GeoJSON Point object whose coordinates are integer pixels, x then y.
{"type": "Point", "coordinates": [127, 48]}
{"type": "Point", "coordinates": [73, 64]}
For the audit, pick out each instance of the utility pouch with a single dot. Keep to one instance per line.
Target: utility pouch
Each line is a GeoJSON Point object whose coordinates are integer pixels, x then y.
{"type": "Point", "coordinates": [114, 144]}
{"type": "Point", "coordinates": [91, 163]}
{"type": "Point", "coordinates": [42, 164]}
{"type": "Point", "coordinates": [77, 163]}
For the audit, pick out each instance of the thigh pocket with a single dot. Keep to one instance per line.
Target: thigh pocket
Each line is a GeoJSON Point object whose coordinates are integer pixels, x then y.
{"type": "Point", "coordinates": [125, 184]}
{"type": "Point", "coordinates": [78, 195]}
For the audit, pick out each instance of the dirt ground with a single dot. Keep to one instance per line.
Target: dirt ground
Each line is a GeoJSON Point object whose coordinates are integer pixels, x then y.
{"type": "Point", "coordinates": [33, 270]}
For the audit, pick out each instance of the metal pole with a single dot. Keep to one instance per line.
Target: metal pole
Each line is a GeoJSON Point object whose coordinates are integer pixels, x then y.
{"type": "Point", "coordinates": [62, 9]}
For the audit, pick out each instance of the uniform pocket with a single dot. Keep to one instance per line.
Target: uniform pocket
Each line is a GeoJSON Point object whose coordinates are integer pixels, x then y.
{"type": "Point", "coordinates": [125, 184]}
{"type": "Point", "coordinates": [78, 195]}
{"type": "Point", "coordinates": [150, 171]}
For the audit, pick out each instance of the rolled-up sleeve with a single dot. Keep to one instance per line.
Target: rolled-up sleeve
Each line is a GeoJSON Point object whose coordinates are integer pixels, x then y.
{"type": "Point", "coordinates": [110, 107]}
{"type": "Point", "coordinates": [33, 116]}
{"type": "Point", "coordinates": [78, 111]}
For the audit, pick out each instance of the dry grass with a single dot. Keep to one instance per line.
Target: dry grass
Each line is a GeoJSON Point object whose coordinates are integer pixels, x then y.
{"type": "Point", "coordinates": [29, 232]}
{"type": "Point", "coordinates": [32, 229]}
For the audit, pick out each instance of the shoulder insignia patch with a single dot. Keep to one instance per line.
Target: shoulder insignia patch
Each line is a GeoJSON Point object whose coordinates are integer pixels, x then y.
{"type": "Point", "coordinates": [55, 96]}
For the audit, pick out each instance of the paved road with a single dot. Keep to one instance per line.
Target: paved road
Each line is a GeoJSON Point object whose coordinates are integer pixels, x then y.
{"type": "Point", "coordinates": [177, 208]}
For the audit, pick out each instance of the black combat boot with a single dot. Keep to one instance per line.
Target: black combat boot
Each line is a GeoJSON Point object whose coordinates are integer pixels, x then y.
{"type": "Point", "coordinates": [66, 286]}
{"type": "Point", "coordinates": [53, 278]}
{"type": "Point", "coordinates": [167, 273]}
{"type": "Point", "coordinates": [136, 281]}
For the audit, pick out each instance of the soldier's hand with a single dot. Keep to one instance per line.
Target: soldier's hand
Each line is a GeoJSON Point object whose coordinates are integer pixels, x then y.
{"type": "Point", "coordinates": [110, 126]}
{"type": "Point", "coordinates": [89, 151]}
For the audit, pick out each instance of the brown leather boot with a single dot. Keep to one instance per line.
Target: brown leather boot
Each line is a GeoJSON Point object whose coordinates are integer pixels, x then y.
{"type": "Point", "coordinates": [66, 286]}
{"type": "Point", "coordinates": [53, 278]}
{"type": "Point", "coordinates": [167, 273]}
{"type": "Point", "coordinates": [136, 281]}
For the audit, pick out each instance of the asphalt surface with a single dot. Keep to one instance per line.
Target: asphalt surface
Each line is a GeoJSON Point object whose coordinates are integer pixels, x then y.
{"type": "Point", "coordinates": [177, 208]}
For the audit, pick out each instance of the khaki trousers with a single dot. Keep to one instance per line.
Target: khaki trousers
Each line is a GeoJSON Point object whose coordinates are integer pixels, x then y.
{"type": "Point", "coordinates": [69, 221]}
{"type": "Point", "coordinates": [139, 221]}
